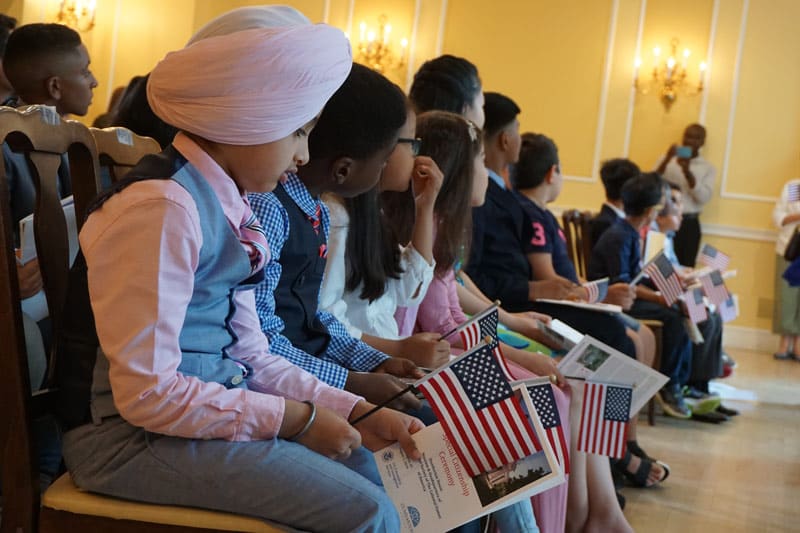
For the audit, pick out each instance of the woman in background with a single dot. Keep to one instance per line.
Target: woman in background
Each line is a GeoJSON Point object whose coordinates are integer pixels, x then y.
{"type": "Point", "coordinates": [786, 318]}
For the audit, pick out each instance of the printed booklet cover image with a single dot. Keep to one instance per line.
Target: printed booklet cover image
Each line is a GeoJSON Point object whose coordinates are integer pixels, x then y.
{"type": "Point", "coordinates": [436, 494]}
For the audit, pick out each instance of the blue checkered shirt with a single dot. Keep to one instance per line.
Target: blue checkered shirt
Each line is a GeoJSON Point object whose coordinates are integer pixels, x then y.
{"type": "Point", "coordinates": [344, 352]}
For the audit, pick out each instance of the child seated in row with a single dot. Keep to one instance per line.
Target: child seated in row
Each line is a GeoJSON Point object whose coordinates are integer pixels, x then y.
{"type": "Point", "coordinates": [450, 83]}
{"type": "Point", "coordinates": [706, 355]}
{"type": "Point", "coordinates": [617, 256]}
{"type": "Point", "coordinates": [370, 273]}
{"type": "Point", "coordinates": [356, 260]}
{"type": "Point", "coordinates": [455, 145]}
{"type": "Point", "coordinates": [203, 415]}
{"type": "Point", "coordinates": [537, 176]}
{"type": "Point", "coordinates": [349, 146]}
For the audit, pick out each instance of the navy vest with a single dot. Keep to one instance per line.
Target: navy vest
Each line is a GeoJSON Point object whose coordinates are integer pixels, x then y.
{"type": "Point", "coordinates": [302, 269]}
{"type": "Point", "coordinates": [223, 268]}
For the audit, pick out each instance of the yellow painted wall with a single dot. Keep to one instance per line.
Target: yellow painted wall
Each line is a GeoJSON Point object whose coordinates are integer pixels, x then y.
{"type": "Point", "coordinates": [569, 64]}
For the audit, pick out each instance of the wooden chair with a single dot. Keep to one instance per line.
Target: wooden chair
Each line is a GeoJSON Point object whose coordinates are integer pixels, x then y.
{"type": "Point", "coordinates": [43, 137]}
{"type": "Point", "coordinates": [658, 330]}
{"type": "Point", "coordinates": [119, 149]}
{"type": "Point", "coordinates": [576, 231]}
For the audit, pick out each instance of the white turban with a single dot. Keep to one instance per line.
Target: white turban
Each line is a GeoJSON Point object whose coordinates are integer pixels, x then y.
{"type": "Point", "coordinates": [249, 18]}
{"type": "Point", "coordinates": [250, 87]}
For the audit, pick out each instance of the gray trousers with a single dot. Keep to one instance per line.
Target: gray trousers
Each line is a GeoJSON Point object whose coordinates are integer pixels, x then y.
{"type": "Point", "coordinates": [282, 482]}
{"type": "Point", "coordinates": [707, 356]}
{"type": "Point", "coordinates": [786, 317]}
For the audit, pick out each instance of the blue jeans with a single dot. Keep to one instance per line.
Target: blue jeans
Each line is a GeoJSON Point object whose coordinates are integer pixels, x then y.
{"type": "Point", "coordinates": [279, 481]}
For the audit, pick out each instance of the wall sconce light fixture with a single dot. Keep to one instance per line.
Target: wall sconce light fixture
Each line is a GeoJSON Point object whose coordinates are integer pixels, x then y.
{"type": "Point", "coordinates": [375, 49]}
{"type": "Point", "coordinates": [669, 77]}
{"type": "Point", "coordinates": [77, 14]}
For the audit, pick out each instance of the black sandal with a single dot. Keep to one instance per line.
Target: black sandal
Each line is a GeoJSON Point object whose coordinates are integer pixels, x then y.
{"type": "Point", "coordinates": [639, 478]}
{"type": "Point", "coordinates": [635, 449]}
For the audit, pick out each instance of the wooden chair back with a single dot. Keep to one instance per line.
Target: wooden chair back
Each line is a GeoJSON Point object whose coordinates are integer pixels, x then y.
{"type": "Point", "coordinates": [119, 149]}
{"type": "Point", "coordinates": [43, 137]}
{"type": "Point", "coordinates": [40, 134]}
{"type": "Point", "coordinates": [577, 232]}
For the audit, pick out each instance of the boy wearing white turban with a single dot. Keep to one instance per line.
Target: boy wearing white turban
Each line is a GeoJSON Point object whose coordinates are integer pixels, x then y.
{"type": "Point", "coordinates": [202, 414]}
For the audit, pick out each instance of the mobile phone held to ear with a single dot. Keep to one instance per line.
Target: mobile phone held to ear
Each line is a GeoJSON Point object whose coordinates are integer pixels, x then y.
{"type": "Point", "coordinates": [683, 152]}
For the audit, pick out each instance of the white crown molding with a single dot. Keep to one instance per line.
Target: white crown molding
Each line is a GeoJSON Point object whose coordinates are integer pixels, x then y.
{"type": "Point", "coordinates": [608, 63]}
{"type": "Point", "coordinates": [580, 179]}
{"type": "Point", "coordinates": [351, 7]}
{"type": "Point", "coordinates": [737, 72]}
{"type": "Point", "coordinates": [626, 146]}
{"type": "Point", "coordinates": [718, 230]}
{"type": "Point", "coordinates": [442, 22]}
{"type": "Point", "coordinates": [712, 35]}
{"type": "Point", "coordinates": [112, 64]}
{"type": "Point", "coordinates": [603, 103]}
{"type": "Point", "coordinates": [326, 11]}
{"type": "Point", "coordinates": [740, 232]}
{"type": "Point", "coordinates": [412, 45]}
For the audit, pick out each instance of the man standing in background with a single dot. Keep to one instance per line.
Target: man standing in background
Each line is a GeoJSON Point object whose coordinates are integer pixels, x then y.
{"type": "Point", "coordinates": [686, 168]}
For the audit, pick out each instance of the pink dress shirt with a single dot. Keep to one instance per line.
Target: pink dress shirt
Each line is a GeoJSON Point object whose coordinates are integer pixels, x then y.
{"type": "Point", "coordinates": [439, 311]}
{"type": "Point", "coordinates": [142, 250]}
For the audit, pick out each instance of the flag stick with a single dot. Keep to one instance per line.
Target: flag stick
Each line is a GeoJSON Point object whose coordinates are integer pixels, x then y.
{"type": "Point", "coordinates": [382, 405]}
{"type": "Point", "coordinates": [458, 328]}
{"type": "Point", "coordinates": [638, 277]}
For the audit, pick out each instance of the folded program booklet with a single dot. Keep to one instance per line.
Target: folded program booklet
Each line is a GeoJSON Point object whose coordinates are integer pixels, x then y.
{"type": "Point", "coordinates": [28, 244]}
{"type": "Point", "coordinates": [592, 360]}
{"type": "Point", "coordinates": [436, 494]}
{"type": "Point", "coordinates": [600, 307]}
{"type": "Point", "coordinates": [560, 334]}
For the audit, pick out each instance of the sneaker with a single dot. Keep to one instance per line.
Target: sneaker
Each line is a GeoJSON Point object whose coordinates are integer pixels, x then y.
{"type": "Point", "coordinates": [695, 393]}
{"type": "Point", "coordinates": [728, 360]}
{"type": "Point", "coordinates": [704, 405]}
{"type": "Point", "coordinates": [782, 356]}
{"type": "Point", "coordinates": [673, 404]}
{"type": "Point", "coordinates": [727, 411]}
{"type": "Point", "coordinates": [714, 417]}
{"type": "Point", "coordinates": [727, 370]}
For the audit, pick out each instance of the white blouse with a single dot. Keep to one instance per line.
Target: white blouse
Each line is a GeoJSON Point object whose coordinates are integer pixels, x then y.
{"type": "Point", "coordinates": [361, 316]}
{"type": "Point", "coordinates": [782, 208]}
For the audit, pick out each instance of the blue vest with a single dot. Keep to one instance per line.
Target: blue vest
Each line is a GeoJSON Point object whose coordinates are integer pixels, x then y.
{"type": "Point", "coordinates": [223, 268]}
{"type": "Point", "coordinates": [302, 269]}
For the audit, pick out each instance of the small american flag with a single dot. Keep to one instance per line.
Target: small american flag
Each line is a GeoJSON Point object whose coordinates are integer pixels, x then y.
{"type": "Point", "coordinates": [729, 309]}
{"type": "Point", "coordinates": [714, 287]}
{"type": "Point", "coordinates": [713, 258]}
{"type": "Point", "coordinates": [664, 277]}
{"type": "Point", "coordinates": [694, 306]}
{"type": "Point", "coordinates": [545, 403]}
{"type": "Point", "coordinates": [474, 402]}
{"type": "Point", "coordinates": [793, 192]}
{"type": "Point", "coordinates": [597, 290]}
{"type": "Point", "coordinates": [483, 325]}
{"type": "Point", "coordinates": [604, 420]}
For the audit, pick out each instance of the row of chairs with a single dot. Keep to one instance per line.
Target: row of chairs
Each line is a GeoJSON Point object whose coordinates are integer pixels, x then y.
{"type": "Point", "coordinates": [43, 138]}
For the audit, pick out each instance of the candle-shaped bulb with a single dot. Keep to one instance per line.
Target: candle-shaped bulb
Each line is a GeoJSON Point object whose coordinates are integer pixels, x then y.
{"type": "Point", "coordinates": [657, 51]}
{"type": "Point", "coordinates": [403, 43]}
{"type": "Point", "coordinates": [370, 36]}
{"type": "Point", "coordinates": [362, 30]}
{"type": "Point", "coordinates": [387, 30]}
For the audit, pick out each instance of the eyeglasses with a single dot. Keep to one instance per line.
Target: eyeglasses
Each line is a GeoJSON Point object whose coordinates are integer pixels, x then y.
{"type": "Point", "coordinates": [415, 144]}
